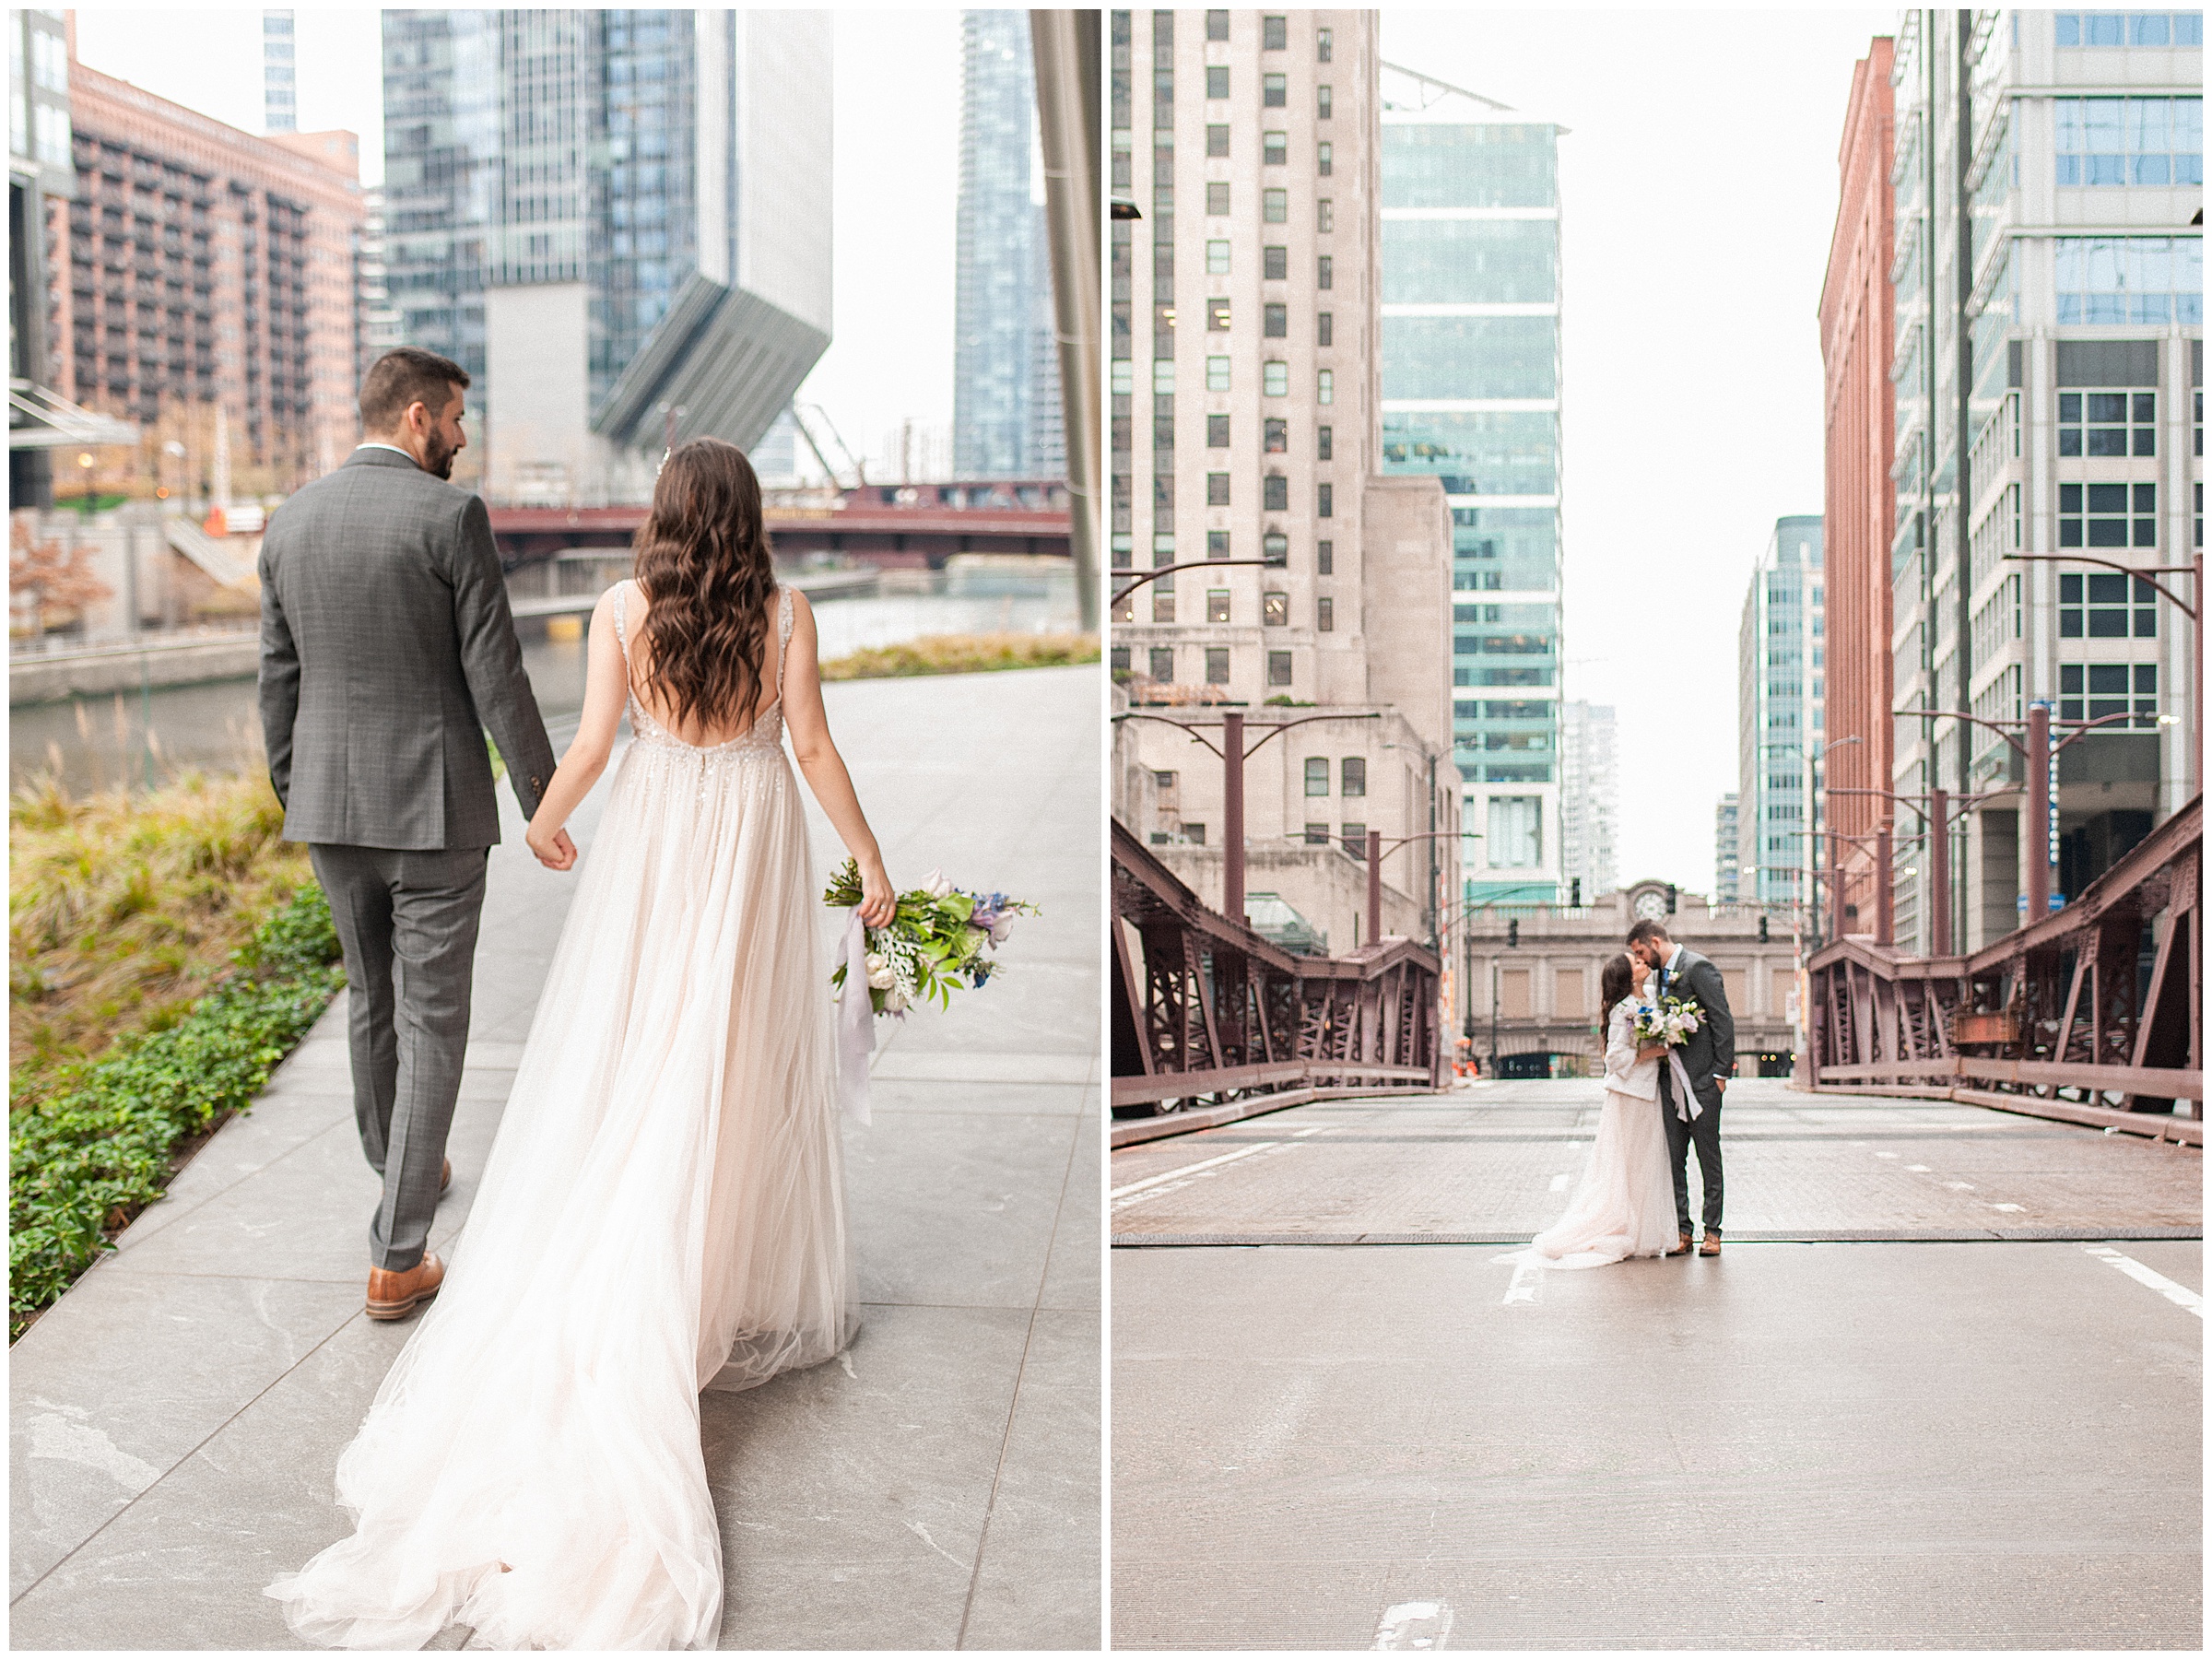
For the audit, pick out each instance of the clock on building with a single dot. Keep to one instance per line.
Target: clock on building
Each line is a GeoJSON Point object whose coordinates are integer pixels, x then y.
{"type": "Point", "coordinates": [1651, 904]}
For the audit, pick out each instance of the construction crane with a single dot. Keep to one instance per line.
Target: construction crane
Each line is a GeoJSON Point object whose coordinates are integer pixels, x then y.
{"type": "Point", "coordinates": [805, 416]}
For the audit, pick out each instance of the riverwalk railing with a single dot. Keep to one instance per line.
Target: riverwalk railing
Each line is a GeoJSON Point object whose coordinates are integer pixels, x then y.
{"type": "Point", "coordinates": [1206, 1011]}
{"type": "Point", "coordinates": [2061, 1019]}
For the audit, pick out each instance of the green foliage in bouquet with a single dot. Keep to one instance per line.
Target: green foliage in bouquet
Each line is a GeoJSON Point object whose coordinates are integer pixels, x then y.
{"type": "Point", "coordinates": [939, 940]}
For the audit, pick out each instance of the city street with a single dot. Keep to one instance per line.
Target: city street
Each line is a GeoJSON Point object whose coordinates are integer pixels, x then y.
{"type": "Point", "coordinates": [177, 1415]}
{"type": "Point", "coordinates": [1942, 1390]}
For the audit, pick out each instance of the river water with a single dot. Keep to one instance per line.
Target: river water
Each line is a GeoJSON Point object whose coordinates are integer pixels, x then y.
{"type": "Point", "coordinates": [137, 740]}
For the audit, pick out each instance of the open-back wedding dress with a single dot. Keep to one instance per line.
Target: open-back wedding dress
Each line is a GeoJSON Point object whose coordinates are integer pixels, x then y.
{"type": "Point", "coordinates": [1624, 1205]}
{"type": "Point", "coordinates": [663, 1211]}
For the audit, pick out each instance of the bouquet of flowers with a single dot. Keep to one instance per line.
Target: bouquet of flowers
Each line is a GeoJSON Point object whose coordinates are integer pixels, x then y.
{"type": "Point", "coordinates": [1669, 1021]}
{"type": "Point", "coordinates": [936, 942]}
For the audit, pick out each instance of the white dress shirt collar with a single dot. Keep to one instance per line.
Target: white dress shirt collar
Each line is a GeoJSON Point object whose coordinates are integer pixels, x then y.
{"type": "Point", "coordinates": [379, 445]}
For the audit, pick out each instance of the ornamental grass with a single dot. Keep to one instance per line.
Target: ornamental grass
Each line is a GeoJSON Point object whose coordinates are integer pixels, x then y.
{"type": "Point", "coordinates": [963, 654]}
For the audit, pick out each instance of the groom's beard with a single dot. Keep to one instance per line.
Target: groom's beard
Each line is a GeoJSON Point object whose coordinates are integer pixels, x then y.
{"type": "Point", "coordinates": [438, 458]}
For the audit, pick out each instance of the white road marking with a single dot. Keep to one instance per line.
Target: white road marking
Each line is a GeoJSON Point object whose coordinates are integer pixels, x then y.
{"type": "Point", "coordinates": [2008, 1207]}
{"type": "Point", "coordinates": [1960, 1186]}
{"type": "Point", "coordinates": [1885, 1155]}
{"type": "Point", "coordinates": [1527, 1272]}
{"type": "Point", "coordinates": [2157, 1282]}
{"type": "Point", "coordinates": [1414, 1625]}
{"type": "Point", "coordinates": [1921, 1167]}
{"type": "Point", "coordinates": [1185, 1170]}
{"type": "Point", "coordinates": [1558, 1182]}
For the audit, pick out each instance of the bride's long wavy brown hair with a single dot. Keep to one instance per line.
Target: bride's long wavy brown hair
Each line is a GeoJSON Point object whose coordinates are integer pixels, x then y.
{"type": "Point", "coordinates": [702, 562]}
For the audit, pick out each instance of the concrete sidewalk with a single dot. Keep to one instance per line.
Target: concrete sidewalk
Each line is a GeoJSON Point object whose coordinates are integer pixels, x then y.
{"type": "Point", "coordinates": [176, 1418]}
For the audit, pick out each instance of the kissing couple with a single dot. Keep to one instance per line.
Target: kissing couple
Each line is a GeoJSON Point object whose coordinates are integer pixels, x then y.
{"type": "Point", "coordinates": [1661, 1099]}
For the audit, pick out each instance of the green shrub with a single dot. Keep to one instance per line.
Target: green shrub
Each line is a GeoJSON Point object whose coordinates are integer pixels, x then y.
{"type": "Point", "coordinates": [102, 1144]}
{"type": "Point", "coordinates": [963, 654]}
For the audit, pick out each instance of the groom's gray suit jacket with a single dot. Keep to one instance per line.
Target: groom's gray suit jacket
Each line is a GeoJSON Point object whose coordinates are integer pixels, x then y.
{"type": "Point", "coordinates": [388, 649]}
{"type": "Point", "coordinates": [1710, 1050]}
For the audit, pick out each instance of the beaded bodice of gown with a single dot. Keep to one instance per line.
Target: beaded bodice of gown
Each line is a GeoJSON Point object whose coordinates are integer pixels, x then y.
{"type": "Point", "coordinates": [766, 732]}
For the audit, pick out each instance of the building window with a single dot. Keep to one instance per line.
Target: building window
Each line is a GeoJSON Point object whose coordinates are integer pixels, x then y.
{"type": "Point", "coordinates": [1326, 554]}
{"type": "Point", "coordinates": [1278, 669]}
{"type": "Point", "coordinates": [1275, 263]}
{"type": "Point", "coordinates": [1275, 321]}
{"type": "Point", "coordinates": [1324, 505]}
{"type": "Point", "coordinates": [1216, 26]}
{"type": "Point", "coordinates": [1164, 377]}
{"type": "Point", "coordinates": [1275, 436]}
{"type": "Point", "coordinates": [1325, 328]}
{"type": "Point", "coordinates": [1275, 33]}
{"type": "Point", "coordinates": [1216, 80]}
{"type": "Point", "coordinates": [1317, 835]}
{"type": "Point", "coordinates": [1216, 666]}
{"type": "Point", "coordinates": [1325, 615]}
{"type": "Point", "coordinates": [1216, 544]}
{"type": "Point", "coordinates": [2127, 28]}
{"type": "Point", "coordinates": [1275, 207]}
{"type": "Point", "coordinates": [1118, 658]}
{"type": "Point", "coordinates": [1217, 257]}
{"type": "Point", "coordinates": [1216, 604]}
{"type": "Point", "coordinates": [1325, 42]}
{"type": "Point", "coordinates": [1163, 604]}
{"type": "Point", "coordinates": [1217, 139]}
{"type": "Point", "coordinates": [1325, 161]}
{"type": "Point", "coordinates": [1275, 379]}
{"type": "Point", "coordinates": [1324, 386]}
{"type": "Point", "coordinates": [1317, 775]}
{"type": "Point", "coordinates": [1275, 149]}
{"type": "Point", "coordinates": [1216, 198]}
{"type": "Point", "coordinates": [1353, 773]}
{"type": "Point", "coordinates": [1275, 493]}
{"type": "Point", "coordinates": [1354, 841]}
{"type": "Point", "coordinates": [1194, 834]}
{"type": "Point", "coordinates": [1325, 443]}
{"type": "Point", "coordinates": [1274, 547]}
{"type": "Point", "coordinates": [1216, 489]}
{"type": "Point", "coordinates": [1325, 216]}
{"type": "Point", "coordinates": [1275, 92]}
{"type": "Point", "coordinates": [1324, 102]}
{"type": "Point", "coordinates": [2090, 691]}
{"type": "Point", "coordinates": [1216, 432]}
{"type": "Point", "coordinates": [2098, 423]}
{"type": "Point", "coordinates": [1327, 276]}
{"type": "Point", "coordinates": [1163, 541]}
{"type": "Point", "coordinates": [2130, 140]}
{"type": "Point", "coordinates": [2133, 279]}
{"type": "Point", "coordinates": [2097, 516]}
{"type": "Point", "coordinates": [1217, 374]}
{"type": "Point", "coordinates": [1217, 315]}
{"type": "Point", "coordinates": [1163, 663]}
{"type": "Point", "coordinates": [2098, 607]}
{"type": "Point", "coordinates": [1275, 610]}
{"type": "Point", "coordinates": [1516, 837]}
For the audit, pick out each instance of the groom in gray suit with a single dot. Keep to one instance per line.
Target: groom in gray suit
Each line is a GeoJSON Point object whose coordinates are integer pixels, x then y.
{"type": "Point", "coordinates": [1708, 1057]}
{"type": "Point", "coordinates": [387, 650]}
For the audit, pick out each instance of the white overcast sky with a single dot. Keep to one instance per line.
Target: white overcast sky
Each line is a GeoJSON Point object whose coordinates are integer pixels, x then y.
{"type": "Point", "coordinates": [898, 125]}
{"type": "Point", "coordinates": [1698, 195]}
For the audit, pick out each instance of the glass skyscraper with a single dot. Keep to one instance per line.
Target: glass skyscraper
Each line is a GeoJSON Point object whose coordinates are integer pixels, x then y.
{"type": "Point", "coordinates": [1780, 696]}
{"type": "Point", "coordinates": [1007, 420]}
{"type": "Point", "coordinates": [1470, 371]}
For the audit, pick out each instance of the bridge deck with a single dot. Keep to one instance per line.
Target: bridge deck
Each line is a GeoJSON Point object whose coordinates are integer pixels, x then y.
{"type": "Point", "coordinates": [1496, 1162]}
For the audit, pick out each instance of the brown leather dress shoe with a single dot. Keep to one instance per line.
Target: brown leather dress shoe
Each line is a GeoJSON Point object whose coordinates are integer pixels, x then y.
{"type": "Point", "coordinates": [1712, 1247]}
{"type": "Point", "coordinates": [445, 1175]}
{"type": "Point", "coordinates": [1682, 1248]}
{"type": "Point", "coordinates": [395, 1293]}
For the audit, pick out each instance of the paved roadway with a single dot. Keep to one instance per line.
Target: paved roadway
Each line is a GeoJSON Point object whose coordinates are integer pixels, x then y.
{"type": "Point", "coordinates": [176, 1417]}
{"type": "Point", "coordinates": [1942, 1390]}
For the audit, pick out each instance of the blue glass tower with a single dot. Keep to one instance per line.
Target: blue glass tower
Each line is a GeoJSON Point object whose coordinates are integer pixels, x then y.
{"type": "Point", "coordinates": [1470, 319]}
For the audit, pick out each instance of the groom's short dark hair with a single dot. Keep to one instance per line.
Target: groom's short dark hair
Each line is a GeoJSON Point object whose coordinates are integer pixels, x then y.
{"type": "Point", "coordinates": [1648, 928]}
{"type": "Point", "coordinates": [405, 376]}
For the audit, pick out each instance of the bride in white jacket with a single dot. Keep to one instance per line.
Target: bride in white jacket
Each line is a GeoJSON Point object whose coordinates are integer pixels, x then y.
{"type": "Point", "coordinates": [1625, 1204]}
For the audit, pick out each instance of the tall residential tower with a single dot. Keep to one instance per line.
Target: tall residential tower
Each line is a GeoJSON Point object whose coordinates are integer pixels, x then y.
{"type": "Point", "coordinates": [1778, 712]}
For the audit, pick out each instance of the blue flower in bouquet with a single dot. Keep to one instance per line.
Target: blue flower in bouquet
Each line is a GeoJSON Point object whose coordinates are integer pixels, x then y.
{"type": "Point", "coordinates": [937, 941]}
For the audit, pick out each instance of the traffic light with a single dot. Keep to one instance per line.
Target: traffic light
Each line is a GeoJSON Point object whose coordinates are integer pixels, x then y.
{"type": "Point", "coordinates": [1762, 928]}
{"type": "Point", "coordinates": [1574, 893]}
{"type": "Point", "coordinates": [1513, 932]}
{"type": "Point", "coordinates": [1670, 899]}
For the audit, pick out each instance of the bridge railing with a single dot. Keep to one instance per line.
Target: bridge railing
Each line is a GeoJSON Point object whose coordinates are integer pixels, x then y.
{"type": "Point", "coordinates": [2059, 1017]}
{"type": "Point", "coordinates": [1207, 1010]}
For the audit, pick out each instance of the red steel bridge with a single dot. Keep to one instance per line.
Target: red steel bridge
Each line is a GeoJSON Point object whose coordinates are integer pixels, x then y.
{"type": "Point", "coordinates": [886, 524]}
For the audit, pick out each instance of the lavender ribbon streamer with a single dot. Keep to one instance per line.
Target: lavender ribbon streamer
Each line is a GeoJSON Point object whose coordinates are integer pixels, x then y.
{"type": "Point", "coordinates": [855, 1026]}
{"type": "Point", "coordinates": [1683, 1092]}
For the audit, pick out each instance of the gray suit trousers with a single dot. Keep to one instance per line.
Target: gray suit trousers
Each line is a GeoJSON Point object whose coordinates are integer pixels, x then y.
{"type": "Point", "coordinates": [407, 921]}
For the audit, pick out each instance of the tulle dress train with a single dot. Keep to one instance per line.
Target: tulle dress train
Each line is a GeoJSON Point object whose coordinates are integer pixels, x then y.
{"type": "Point", "coordinates": [663, 1211]}
{"type": "Point", "coordinates": [1624, 1205]}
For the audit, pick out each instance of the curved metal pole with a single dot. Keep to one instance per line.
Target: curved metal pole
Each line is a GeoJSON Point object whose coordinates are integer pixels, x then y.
{"type": "Point", "coordinates": [1157, 572]}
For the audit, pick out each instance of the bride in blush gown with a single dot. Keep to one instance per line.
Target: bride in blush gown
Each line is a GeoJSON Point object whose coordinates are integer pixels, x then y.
{"type": "Point", "coordinates": [1625, 1204]}
{"type": "Point", "coordinates": [663, 1210]}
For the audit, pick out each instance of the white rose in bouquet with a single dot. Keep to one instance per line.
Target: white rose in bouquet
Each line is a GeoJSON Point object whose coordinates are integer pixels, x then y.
{"type": "Point", "coordinates": [880, 977]}
{"type": "Point", "coordinates": [936, 886]}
